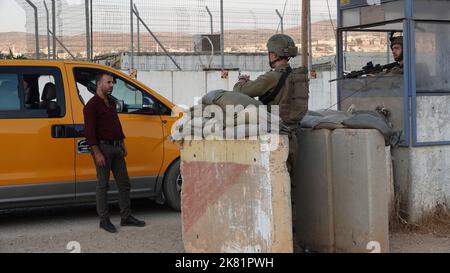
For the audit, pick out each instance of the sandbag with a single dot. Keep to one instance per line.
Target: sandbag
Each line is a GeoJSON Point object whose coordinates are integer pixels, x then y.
{"type": "Point", "coordinates": [212, 96]}
{"type": "Point", "coordinates": [194, 133]}
{"type": "Point", "coordinates": [198, 122]}
{"type": "Point", "coordinates": [332, 122]}
{"type": "Point", "coordinates": [196, 110]}
{"type": "Point", "coordinates": [235, 98]}
{"type": "Point", "coordinates": [251, 115]}
{"type": "Point", "coordinates": [313, 113]}
{"type": "Point", "coordinates": [364, 120]}
{"type": "Point", "coordinates": [328, 112]}
{"type": "Point", "coordinates": [187, 133]}
{"type": "Point", "coordinates": [309, 121]}
{"type": "Point", "coordinates": [235, 132]}
{"type": "Point", "coordinates": [247, 130]}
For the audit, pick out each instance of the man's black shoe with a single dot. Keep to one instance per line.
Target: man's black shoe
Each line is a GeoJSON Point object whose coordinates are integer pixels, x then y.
{"type": "Point", "coordinates": [131, 221]}
{"type": "Point", "coordinates": [108, 226]}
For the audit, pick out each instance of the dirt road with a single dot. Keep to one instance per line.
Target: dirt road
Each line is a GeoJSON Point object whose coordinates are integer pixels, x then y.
{"type": "Point", "coordinates": [52, 229]}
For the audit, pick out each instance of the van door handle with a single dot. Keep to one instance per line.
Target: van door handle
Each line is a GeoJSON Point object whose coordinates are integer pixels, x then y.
{"type": "Point", "coordinates": [164, 121]}
{"type": "Point", "coordinates": [67, 131]}
{"type": "Point", "coordinates": [58, 131]}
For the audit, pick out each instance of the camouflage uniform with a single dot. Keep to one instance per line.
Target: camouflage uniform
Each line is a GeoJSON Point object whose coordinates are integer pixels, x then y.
{"type": "Point", "coordinates": [398, 70]}
{"type": "Point", "coordinates": [262, 84]}
{"type": "Point", "coordinates": [267, 83]}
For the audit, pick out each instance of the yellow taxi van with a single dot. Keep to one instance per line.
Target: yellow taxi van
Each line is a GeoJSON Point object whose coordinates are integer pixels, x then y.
{"type": "Point", "coordinates": [44, 158]}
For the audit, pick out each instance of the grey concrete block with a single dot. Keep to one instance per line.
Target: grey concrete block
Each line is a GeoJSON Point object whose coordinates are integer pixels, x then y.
{"type": "Point", "coordinates": [313, 192]}
{"type": "Point", "coordinates": [360, 190]}
{"type": "Point", "coordinates": [342, 191]}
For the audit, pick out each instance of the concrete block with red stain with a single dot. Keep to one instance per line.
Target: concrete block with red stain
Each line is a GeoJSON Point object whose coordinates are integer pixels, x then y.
{"type": "Point", "coordinates": [236, 196]}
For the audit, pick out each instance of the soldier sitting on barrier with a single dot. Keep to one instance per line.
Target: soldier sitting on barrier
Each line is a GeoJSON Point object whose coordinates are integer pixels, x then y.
{"type": "Point", "coordinates": [282, 86]}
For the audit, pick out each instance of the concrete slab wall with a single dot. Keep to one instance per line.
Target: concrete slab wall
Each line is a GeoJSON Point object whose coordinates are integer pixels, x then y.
{"type": "Point", "coordinates": [323, 94]}
{"type": "Point", "coordinates": [159, 81]}
{"type": "Point", "coordinates": [433, 115]}
{"type": "Point", "coordinates": [236, 197]}
{"type": "Point", "coordinates": [342, 194]}
{"type": "Point", "coordinates": [182, 87]}
{"type": "Point", "coordinates": [197, 62]}
{"type": "Point", "coordinates": [183, 82]}
{"type": "Point", "coordinates": [422, 178]}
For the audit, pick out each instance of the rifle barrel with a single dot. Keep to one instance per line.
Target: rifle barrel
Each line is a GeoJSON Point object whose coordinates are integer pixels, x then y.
{"type": "Point", "coordinates": [366, 70]}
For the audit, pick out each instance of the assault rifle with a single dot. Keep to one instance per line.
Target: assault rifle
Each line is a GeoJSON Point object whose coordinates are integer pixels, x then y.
{"type": "Point", "coordinates": [366, 70]}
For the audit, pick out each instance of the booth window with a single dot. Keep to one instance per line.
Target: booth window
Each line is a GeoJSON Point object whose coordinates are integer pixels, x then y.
{"type": "Point", "coordinates": [432, 44]}
{"type": "Point", "coordinates": [432, 62]}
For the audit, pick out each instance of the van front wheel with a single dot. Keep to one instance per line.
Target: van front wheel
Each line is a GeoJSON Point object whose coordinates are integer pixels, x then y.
{"type": "Point", "coordinates": [172, 186]}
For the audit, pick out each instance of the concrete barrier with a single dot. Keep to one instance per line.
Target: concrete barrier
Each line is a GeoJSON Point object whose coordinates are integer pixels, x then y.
{"type": "Point", "coordinates": [236, 197]}
{"type": "Point", "coordinates": [343, 188]}
{"type": "Point", "coordinates": [314, 225]}
{"type": "Point", "coordinates": [360, 190]}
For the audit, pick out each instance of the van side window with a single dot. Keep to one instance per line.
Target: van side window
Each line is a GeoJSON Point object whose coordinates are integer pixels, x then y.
{"type": "Point", "coordinates": [9, 92]}
{"type": "Point", "coordinates": [135, 100]}
{"type": "Point", "coordinates": [31, 92]}
{"type": "Point", "coordinates": [40, 94]}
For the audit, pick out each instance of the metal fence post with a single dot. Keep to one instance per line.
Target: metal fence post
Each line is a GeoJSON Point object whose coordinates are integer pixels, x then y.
{"type": "Point", "coordinates": [222, 38]}
{"type": "Point", "coordinates": [36, 27]}
{"type": "Point", "coordinates": [210, 19]}
{"type": "Point", "coordinates": [281, 21]}
{"type": "Point", "coordinates": [48, 30]}
{"type": "Point", "coordinates": [92, 30]}
{"type": "Point", "coordinates": [305, 4]}
{"type": "Point", "coordinates": [310, 53]}
{"type": "Point", "coordinates": [88, 30]}
{"type": "Point", "coordinates": [156, 39]}
{"type": "Point", "coordinates": [64, 47]}
{"type": "Point", "coordinates": [138, 31]}
{"type": "Point", "coordinates": [132, 35]}
{"type": "Point", "coordinates": [54, 28]}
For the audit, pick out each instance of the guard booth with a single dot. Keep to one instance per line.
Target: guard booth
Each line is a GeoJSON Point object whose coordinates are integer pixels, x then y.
{"type": "Point", "coordinates": [418, 99]}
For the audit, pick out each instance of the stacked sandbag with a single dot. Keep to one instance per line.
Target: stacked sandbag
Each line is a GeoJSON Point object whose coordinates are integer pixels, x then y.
{"type": "Point", "coordinates": [332, 119]}
{"type": "Point", "coordinates": [224, 114]}
{"type": "Point", "coordinates": [324, 119]}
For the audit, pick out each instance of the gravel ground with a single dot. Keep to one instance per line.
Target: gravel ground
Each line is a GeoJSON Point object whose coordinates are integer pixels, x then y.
{"type": "Point", "coordinates": [52, 229]}
{"type": "Point", "coordinates": [419, 243]}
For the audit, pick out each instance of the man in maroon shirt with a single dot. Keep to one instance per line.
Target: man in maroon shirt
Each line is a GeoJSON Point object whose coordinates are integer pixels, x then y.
{"type": "Point", "coordinates": [104, 134]}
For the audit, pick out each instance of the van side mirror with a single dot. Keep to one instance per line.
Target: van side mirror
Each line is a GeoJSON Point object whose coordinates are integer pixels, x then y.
{"type": "Point", "coordinates": [147, 103]}
{"type": "Point", "coordinates": [119, 106]}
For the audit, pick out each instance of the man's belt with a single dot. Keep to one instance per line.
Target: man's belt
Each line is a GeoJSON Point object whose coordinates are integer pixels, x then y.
{"type": "Point", "coordinates": [115, 143]}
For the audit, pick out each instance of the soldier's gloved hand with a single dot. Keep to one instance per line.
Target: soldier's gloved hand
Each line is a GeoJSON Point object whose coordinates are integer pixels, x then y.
{"type": "Point", "coordinates": [244, 78]}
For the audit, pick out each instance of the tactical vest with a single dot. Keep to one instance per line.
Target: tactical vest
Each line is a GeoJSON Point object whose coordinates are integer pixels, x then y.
{"type": "Point", "coordinates": [291, 94]}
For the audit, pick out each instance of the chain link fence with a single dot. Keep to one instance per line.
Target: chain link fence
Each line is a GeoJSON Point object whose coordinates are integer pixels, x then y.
{"type": "Point", "coordinates": [177, 24]}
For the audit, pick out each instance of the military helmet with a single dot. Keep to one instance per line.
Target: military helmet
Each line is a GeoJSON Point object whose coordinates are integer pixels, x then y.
{"type": "Point", "coordinates": [282, 45]}
{"type": "Point", "coordinates": [398, 40]}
